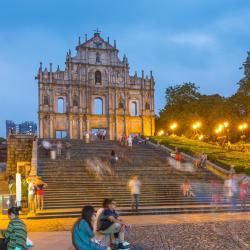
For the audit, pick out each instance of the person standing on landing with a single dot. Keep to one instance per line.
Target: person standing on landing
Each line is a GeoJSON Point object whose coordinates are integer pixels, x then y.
{"type": "Point", "coordinates": [135, 189]}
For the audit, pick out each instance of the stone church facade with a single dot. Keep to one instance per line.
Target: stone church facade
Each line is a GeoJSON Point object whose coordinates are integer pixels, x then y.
{"type": "Point", "coordinates": [95, 91]}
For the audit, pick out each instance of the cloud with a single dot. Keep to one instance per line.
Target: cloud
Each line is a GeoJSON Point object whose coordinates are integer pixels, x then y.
{"type": "Point", "coordinates": [194, 39]}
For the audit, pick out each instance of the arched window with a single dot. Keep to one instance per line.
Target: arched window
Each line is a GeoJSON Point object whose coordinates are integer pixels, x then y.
{"type": "Point", "coordinates": [60, 105]}
{"type": "Point", "coordinates": [98, 77]}
{"type": "Point", "coordinates": [147, 106]}
{"type": "Point", "coordinates": [98, 57]}
{"type": "Point", "coordinates": [133, 109]}
{"type": "Point", "coordinates": [98, 106]}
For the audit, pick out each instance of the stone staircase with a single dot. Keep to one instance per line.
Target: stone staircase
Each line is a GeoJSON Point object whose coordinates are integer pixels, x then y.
{"type": "Point", "coordinates": [76, 182]}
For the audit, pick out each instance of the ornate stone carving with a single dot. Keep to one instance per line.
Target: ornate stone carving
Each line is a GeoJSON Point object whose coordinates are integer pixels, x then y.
{"type": "Point", "coordinates": [95, 71]}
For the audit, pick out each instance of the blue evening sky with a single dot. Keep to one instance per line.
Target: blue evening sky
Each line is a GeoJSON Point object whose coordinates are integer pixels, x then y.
{"type": "Point", "coordinates": [202, 41]}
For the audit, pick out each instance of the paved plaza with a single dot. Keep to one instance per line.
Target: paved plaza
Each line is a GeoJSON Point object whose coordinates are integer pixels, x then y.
{"type": "Point", "coordinates": [233, 235]}
{"type": "Point", "coordinates": [229, 231]}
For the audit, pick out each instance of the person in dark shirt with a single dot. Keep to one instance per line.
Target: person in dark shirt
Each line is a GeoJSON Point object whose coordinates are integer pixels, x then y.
{"type": "Point", "coordinates": [110, 223]}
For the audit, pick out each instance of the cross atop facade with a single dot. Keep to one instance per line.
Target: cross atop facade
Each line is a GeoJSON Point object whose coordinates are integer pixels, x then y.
{"type": "Point", "coordinates": [97, 31]}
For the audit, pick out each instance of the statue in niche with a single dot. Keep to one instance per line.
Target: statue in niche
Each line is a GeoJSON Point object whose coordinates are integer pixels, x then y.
{"type": "Point", "coordinates": [121, 104]}
{"type": "Point", "coordinates": [46, 100]}
{"type": "Point", "coordinates": [75, 101]}
{"type": "Point", "coordinates": [98, 77]}
{"type": "Point", "coordinates": [147, 106]}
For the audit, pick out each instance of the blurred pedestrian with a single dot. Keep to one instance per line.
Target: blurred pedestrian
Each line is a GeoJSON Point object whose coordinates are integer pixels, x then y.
{"type": "Point", "coordinates": [243, 192]}
{"type": "Point", "coordinates": [40, 185]}
{"type": "Point", "coordinates": [187, 189]}
{"type": "Point", "coordinates": [230, 191]}
{"type": "Point", "coordinates": [68, 150]}
{"type": "Point", "coordinates": [134, 185]}
{"type": "Point", "coordinates": [178, 159]}
{"type": "Point", "coordinates": [130, 142]}
{"type": "Point", "coordinates": [59, 148]}
{"type": "Point", "coordinates": [31, 196]}
{"type": "Point", "coordinates": [216, 197]}
{"type": "Point", "coordinates": [113, 158]}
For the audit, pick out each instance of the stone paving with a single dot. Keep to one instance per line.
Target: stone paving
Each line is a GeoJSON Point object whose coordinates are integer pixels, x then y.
{"type": "Point", "coordinates": [194, 236]}
{"type": "Point", "coordinates": [228, 231]}
{"type": "Point", "coordinates": [191, 236]}
{"type": "Point", "coordinates": [51, 225]}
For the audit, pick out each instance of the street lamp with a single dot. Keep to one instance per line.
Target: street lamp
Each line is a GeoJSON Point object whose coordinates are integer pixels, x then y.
{"type": "Point", "coordinates": [201, 137]}
{"type": "Point", "coordinates": [223, 127]}
{"type": "Point", "coordinates": [242, 127]}
{"type": "Point", "coordinates": [173, 126]}
{"type": "Point", "coordinates": [196, 126]}
{"type": "Point", "coordinates": [161, 132]}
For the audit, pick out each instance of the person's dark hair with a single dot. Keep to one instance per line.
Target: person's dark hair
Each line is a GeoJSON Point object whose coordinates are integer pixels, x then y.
{"type": "Point", "coordinates": [87, 213]}
{"type": "Point", "coordinates": [14, 210]}
{"type": "Point", "coordinates": [106, 202]}
{"type": "Point", "coordinates": [112, 152]}
{"type": "Point", "coordinates": [109, 201]}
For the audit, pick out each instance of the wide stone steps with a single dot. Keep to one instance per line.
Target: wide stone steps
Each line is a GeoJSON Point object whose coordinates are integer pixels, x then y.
{"type": "Point", "coordinates": [150, 210]}
{"type": "Point", "coordinates": [71, 185]}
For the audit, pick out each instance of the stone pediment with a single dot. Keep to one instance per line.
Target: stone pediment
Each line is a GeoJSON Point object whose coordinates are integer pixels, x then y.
{"type": "Point", "coordinates": [96, 42]}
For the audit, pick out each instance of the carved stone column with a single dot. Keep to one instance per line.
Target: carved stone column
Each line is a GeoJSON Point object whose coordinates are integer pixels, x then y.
{"type": "Point", "coordinates": [51, 127]}
{"type": "Point", "coordinates": [115, 115]}
{"type": "Point", "coordinates": [81, 127]}
{"type": "Point", "coordinates": [41, 127]}
{"type": "Point", "coordinates": [142, 103]}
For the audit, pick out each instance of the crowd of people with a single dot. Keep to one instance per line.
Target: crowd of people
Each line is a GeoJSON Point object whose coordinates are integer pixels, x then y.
{"type": "Point", "coordinates": [235, 187]}
{"type": "Point", "coordinates": [106, 221]}
{"type": "Point", "coordinates": [132, 139]}
{"type": "Point", "coordinates": [33, 188]}
{"type": "Point", "coordinates": [54, 149]}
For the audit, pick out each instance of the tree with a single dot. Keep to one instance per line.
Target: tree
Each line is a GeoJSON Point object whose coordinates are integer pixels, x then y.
{"type": "Point", "coordinates": [184, 93]}
{"type": "Point", "coordinates": [2, 140]}
{"type": "Point", "coordinates": [241, 98]}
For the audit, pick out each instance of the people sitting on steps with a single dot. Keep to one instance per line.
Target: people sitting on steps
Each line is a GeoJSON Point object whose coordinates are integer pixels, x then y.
{"type": "Point", "coordinates": [83, 236]}
{"type": "Point", "coordinates": [186, 189]}
{"type": "Point", "coordinates": [110, 223]}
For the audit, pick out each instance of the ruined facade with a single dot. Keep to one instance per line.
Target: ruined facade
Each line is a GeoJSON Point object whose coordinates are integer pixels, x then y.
{"type": "Point", "coordinates": [95, 77]}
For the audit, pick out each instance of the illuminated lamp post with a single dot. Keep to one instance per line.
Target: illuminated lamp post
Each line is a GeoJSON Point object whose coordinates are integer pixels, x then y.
{"type": "Point", "coordinates": [173, 126]}
{"type": "Point", "coordinates": [196, 127]}
{"type": "Point", "coordinates": [242, 127]}
{"type": "Point", "coordinates": [160, 133]}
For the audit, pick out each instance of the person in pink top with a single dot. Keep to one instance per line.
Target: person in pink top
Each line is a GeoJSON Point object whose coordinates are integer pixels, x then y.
{"type": "Point", "coordinates": [243, 192]}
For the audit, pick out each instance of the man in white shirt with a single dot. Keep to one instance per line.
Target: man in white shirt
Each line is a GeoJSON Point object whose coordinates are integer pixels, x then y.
{"type": "Point", "coordinates": [135, 187]}
{"type": "Point", "coordinates": [31, 196]}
